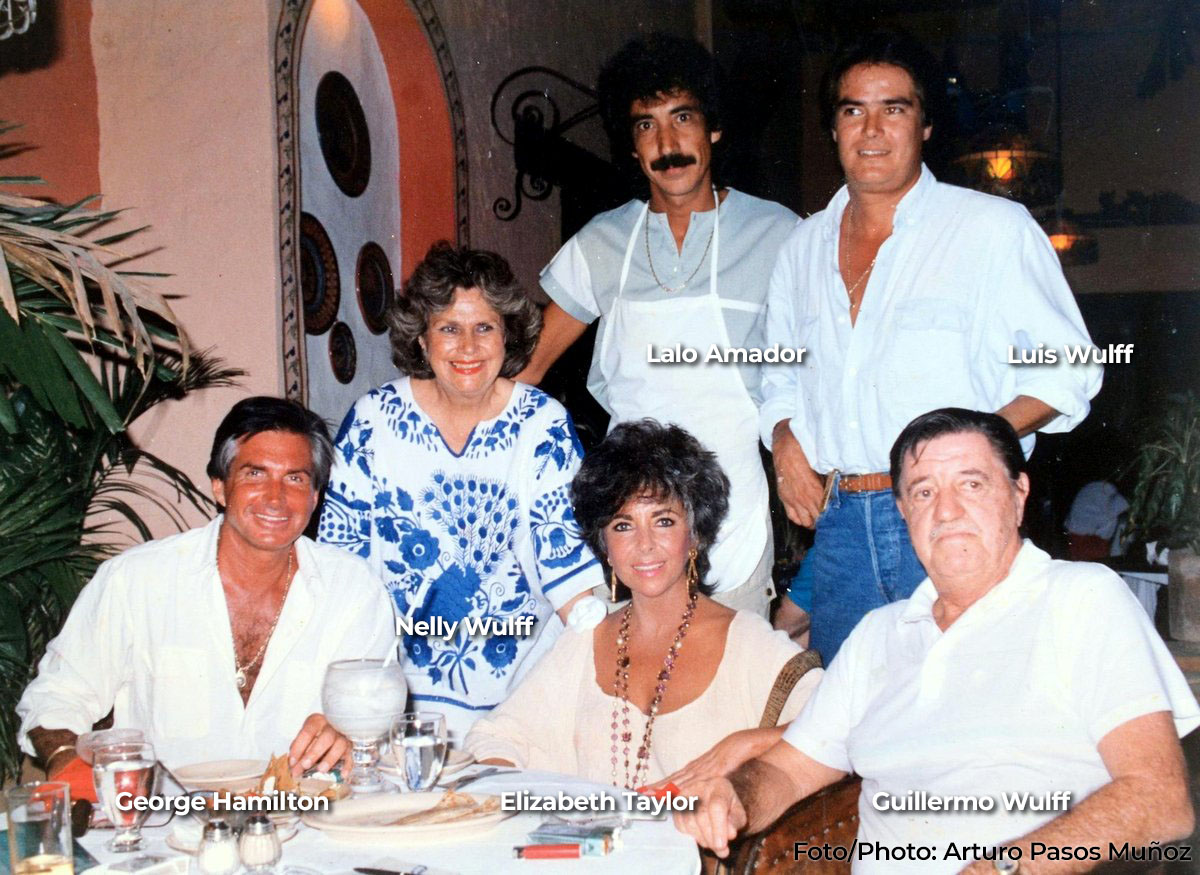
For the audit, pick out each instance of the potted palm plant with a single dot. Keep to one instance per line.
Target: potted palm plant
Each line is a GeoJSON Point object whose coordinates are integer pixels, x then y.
{"type": "Point", "coordinates": [84, 351]}
{"type": "Point", "coordinates": [1166, 506]}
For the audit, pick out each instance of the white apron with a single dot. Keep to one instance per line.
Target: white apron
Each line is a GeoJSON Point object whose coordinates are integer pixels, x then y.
{"type": "Point", "coordinates": [708, 399]}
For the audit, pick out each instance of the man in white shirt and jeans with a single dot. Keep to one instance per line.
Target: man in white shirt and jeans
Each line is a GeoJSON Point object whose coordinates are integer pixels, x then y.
{"type": "Point", "coordinates": [214, 642]}
{"type": "Point", "coordinates": [909, 295]}
{"type": "Point", "coordinates": [1006, 677]}
{"type": "Point", "coordinates": [688, 267]}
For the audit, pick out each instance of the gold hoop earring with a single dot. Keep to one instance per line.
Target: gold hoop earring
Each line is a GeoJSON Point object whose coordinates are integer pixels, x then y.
{"type": "Point", "coordinates": [693, 576]}
{"type": "Point", "coordinates": [612, 597]}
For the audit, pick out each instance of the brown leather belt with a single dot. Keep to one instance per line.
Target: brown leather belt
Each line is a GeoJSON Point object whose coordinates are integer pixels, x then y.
{"type": "Point", "coordinates": [864, 482]}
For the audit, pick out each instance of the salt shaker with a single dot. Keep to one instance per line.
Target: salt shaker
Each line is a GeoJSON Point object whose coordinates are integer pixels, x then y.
{"type": "Point", "coordinates": [259, 845]}
{"type": "Point", "coordinates": [218, 853]}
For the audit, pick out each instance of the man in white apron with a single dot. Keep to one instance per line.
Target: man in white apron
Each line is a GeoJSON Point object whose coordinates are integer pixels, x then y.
{"type": "Point", "coordinates": [687, 271]}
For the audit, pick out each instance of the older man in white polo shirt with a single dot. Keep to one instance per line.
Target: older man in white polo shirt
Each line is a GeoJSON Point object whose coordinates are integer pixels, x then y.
{"type": "Point", "coordinates": [1006, 677]}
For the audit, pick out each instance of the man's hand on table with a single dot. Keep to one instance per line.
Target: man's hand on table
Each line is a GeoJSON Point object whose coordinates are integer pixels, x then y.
{"type": "Point", "coordinates": [717, 816]}
{"type": "Point", "coordinates": [318, 745]}
{"type": "Point", "coordinates": [800, 487]}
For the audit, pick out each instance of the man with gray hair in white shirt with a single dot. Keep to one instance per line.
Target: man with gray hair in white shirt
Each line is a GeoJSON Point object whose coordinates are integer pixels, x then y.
{"type": "Point", "coordinates": [214, 642]}
{"type": "Point", "coordinates": [909, 295]}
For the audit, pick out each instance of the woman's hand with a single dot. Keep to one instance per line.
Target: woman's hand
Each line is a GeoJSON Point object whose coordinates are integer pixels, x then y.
{"type": "Point", "coordinates": [726, 755]}
{"type": "Point", "coordinates": [497, 761]}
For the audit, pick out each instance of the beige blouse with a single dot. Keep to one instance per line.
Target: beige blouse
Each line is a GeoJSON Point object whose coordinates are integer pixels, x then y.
{"type": "Point", "coordinates": [559, 719]}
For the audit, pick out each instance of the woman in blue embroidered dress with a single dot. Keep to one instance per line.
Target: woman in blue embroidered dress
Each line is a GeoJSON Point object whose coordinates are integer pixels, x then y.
{"type": "Point", "coordinates": [453, 482]}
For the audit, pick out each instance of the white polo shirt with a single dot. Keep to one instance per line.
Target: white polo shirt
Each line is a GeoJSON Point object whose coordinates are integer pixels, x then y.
{"type": "Point", "coordinates": [1011, 699]}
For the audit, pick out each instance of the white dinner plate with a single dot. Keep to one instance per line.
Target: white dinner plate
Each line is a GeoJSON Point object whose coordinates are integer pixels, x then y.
{"type": "Point", "coordinates": [456, 761]}
{"type": "Point", "coordinates": [366, 819]}
{"type": "Point", "coordinates": [234, 775]}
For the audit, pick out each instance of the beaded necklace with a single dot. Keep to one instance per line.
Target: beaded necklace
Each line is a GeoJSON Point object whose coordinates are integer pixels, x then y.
{"type": "Point", "coordinates": [620, 717]}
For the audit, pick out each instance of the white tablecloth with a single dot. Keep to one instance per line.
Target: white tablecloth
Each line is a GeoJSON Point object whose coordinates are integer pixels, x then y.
{"type": "Point", "coordinates": [647, 846]}
{"type": "Point", "coordinates": [1145, 585]}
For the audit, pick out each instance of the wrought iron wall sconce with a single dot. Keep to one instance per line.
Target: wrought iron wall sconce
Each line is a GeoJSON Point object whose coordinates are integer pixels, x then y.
{"type": "Point", "coordinates": [532, 110]}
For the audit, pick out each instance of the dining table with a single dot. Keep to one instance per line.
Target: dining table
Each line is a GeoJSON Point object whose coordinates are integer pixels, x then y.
{"type": "Point", "coordinates": [644, 845]}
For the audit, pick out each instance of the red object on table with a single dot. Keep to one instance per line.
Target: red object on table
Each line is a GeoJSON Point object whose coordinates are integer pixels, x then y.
{"type": "Point", "coordinates": [548, 852]}
{"type": "Point", "coordinates": [78, 775]}
{"type": "Point", "coordinates": [668, 789]}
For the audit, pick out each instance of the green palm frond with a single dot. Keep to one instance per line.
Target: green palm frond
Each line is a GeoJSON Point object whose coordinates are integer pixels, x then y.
{"type": "Point", "coordinates": [85, 350]}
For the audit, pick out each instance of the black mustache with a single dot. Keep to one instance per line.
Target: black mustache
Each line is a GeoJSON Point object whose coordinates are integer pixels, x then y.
{"type": "Point", "coordinates": [672, 159]}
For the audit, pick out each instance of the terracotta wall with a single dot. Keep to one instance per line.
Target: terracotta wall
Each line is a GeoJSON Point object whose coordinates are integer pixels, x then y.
{"type": "Point", "coordinates": [187, 140]}
{"type": "Point", "coordinates": [48, 85]}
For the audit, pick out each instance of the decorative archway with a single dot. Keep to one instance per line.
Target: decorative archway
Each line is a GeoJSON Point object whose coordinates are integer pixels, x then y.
{"type": "Point", "coordinates": [430, 212]}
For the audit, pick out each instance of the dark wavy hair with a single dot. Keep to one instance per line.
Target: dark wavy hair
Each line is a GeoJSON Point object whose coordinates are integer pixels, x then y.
{"type": "Point", "coordinates": [431, 288]}
{"type": "Point", "coordinates": [646, 67]}
{"type": "Point", "coordinates": [893, 47]}
{"type": "Point", "coordinates": [252, 416]}
{"type": "Point", "coordinates": [663, 461]}
{"type": "Point", "coordinates": [958, 420]}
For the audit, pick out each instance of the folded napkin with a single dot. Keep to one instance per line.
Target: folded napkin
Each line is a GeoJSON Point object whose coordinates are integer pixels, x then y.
{"type": "Point", "coordinates": [78, 775]}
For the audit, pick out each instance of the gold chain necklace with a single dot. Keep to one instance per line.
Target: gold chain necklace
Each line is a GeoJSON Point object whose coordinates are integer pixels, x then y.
{"type": "Point", "coordinates": [704, 255]}
{"type": "Point", "coordinates": [870, 267]}
{"type": "Point", "coordinates": [854, 288]}
{"type": "Point", "coordinates": [240, 670]}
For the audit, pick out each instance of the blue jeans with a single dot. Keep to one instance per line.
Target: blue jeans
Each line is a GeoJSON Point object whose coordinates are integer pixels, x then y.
{"type": "Point", "coordinates": [861, 559]}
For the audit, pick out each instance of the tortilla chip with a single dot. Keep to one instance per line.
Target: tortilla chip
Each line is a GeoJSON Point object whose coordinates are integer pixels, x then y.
{"type": "Point", "coordinates": [278, 769]}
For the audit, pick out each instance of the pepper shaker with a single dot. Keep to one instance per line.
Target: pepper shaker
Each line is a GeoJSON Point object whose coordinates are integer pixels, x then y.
{"type": "Point", "coordinates": [218, 853]}
{"type": "Point", "coordinates": [259, 845]}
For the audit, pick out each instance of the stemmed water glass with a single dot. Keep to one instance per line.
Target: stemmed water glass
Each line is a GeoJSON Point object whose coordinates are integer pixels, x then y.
{"type": "Point", "coordinates": [361, 698]}
{"type": "Point", "coordinates": [125, 768]}
{"type": "Point", "coordinates": [419, 745]}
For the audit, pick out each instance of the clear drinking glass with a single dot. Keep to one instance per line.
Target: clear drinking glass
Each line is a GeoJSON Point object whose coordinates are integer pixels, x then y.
{"type": "Point", "coordinates": [89, 741]}
{"type": "Point", "coordinates": [361, 698]}
{"type": "Point", "coordinates": [419, 745]}
{"type": "Point", "coordinates": [128, 767]}
{"type": "Point", "coordinates": [39, 829]}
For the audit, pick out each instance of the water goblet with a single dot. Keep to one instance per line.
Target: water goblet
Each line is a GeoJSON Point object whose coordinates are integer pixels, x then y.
{"type": "Point", "coordinates": [360, 698]}
{"type": "Point", "coordinates": [419, 745]}
{"type": "Point", "coordinates": [119, 769]}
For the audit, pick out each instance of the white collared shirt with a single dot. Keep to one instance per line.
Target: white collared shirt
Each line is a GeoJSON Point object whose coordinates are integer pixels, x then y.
{"type": "Point", "coordinates": [150, 637]}
{"type": "Point", "coordinates": [963, 277]}
{"type": "Point", "coordinates": [1013, 697]}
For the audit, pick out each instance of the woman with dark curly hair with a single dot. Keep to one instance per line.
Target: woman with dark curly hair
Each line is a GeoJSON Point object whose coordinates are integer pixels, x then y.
{"type": "Point", "coordinates": [673, 685]}
{"type": "Point", "coordinates": [453, 480]}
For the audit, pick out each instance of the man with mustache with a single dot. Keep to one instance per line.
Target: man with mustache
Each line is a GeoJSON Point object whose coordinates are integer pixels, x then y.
{"type": "Point", "coordinates": [688, 267]}
{"type": "Point", "coordinates": [1006, 673]}
{"type": "Point", "coordinates": [908, 294]}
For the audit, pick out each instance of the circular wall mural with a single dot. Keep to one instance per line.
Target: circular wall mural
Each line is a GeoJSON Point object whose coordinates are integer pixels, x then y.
{"type": "Point", "coordinates": [342, 129]}
{"type": "Point", "coordinates": [320, 282]}
{"type": "Point", "coordinates": [373, 280]}
{"type": "Point", "coordinates": [343, 356]}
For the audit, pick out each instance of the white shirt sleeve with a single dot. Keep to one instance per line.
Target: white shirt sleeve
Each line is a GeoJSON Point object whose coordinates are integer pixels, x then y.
{"type": "Point", "coordinates": [1119, 668]}
{"type": "Point", "coordinates": [1034, 304]}
{"type": "Point", "coordinates": [564, 565]}
{"type": "Point", "coordinates": [779, 381]}
{"type": "Point", "coordinates": [526, 728]}
{"type": "Point", "coordinates": [567, 279]}
{"type": "Point", "coordinates": [84, 666]}
{"type": "Point", "coordinates": [822, 730]}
